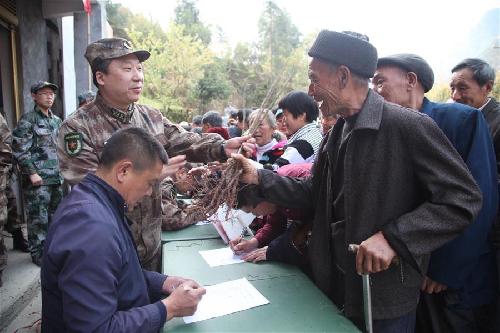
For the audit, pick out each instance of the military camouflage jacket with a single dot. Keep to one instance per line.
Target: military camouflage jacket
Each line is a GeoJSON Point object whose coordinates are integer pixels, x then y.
{"type": "Point", "coordinates": [5, 157]}
{"type": "Point", "coordinates": [174, 215]}
{"type": "Point", "coordinates": [34, 146]}
{"type": "Point", "coordinates": [82, 137]}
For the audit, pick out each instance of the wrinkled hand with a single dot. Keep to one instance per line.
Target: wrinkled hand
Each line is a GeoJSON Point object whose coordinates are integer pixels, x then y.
{"type": "Point", "coordinates": [257, 255]}
{"type": "Point", "coordinates": [36, 180]}
{"type": "Point", "coordinates": [184, 299]}
{"type": "Point", "coordinates": [249, 174]}
{"type": "Point", "coordinates": [199, 171]}
{"type": "Point", "coordinates": [374, 255]}
{"type": "Point", "coordinates": [240, 245]}
{"type": "Point", "coordinates": [234, 242]}
{"type": "Point", "coordinates": [432, 287]}
{"type": "Point", "coordinates": [174, 164]}
{"type": "Point", "coordinates": [233, 145]}
{"type": "Point", "coordinates": [249, 148]}
{"type": "Point", "coordinates": [171, 283]}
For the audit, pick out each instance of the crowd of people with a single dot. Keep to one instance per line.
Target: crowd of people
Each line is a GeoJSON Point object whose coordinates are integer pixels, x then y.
{"type": "Point", "coordinates": [362, 157]}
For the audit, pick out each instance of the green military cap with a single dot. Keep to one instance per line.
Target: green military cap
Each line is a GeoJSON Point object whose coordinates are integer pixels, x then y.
{"type": "Point", "coordinates": [42, 84]}
{"type": "Point", "coordinates": [112, 48]}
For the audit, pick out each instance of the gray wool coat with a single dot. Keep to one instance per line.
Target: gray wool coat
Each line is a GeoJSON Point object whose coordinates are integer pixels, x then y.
{"type": "Point", "coordinates": [402, 177]}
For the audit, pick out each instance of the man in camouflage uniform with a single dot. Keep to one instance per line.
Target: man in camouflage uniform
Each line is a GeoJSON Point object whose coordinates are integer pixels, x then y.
{"type": "Point", "coordinates": [5, 165]}
{"type": "Point", "coordinates": [118, 74]}
{"type": "Point", "coordinates": [34, 146]}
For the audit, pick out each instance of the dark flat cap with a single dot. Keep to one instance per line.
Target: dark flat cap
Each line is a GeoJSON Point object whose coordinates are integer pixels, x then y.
{"type": "Point", "coordinates": [346, 48]}
{"type": "Point", "coordinates": [43, 84]}
{"type": "Point", "coordinates": [411, 63]}
{"type": "Point", "coordinates": [112, 48]}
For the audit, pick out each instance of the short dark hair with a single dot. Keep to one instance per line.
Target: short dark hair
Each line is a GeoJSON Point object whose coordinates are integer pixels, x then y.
{"type": "Point", "coordinates": [197, 120]}
{"type": "Point", "coordinates": [249, 195]}
{"type": "Point", "coordinates": [297, 103]}
{"type": "Point", "coordinates": [134, 144]}
{"type": "Point", "coordinates": [243, 115]}
{"type": "Point", "coordinates": [99, 65]}
{"type": "Point", "coordinates": [482, 72]}
{"type": "Point", "coordinates": [213, 118]}
{"type": "Point", "coordinates": [233, 114]}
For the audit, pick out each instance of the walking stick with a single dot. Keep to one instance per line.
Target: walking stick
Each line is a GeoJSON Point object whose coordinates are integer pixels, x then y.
{"type": "Point", "coordinates": [367, 295]}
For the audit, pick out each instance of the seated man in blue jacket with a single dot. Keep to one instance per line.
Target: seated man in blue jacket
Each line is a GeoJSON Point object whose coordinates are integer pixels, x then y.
{"type": "Point", "coordinates": [91, 277]}
{"type": "Point", "coordinates": [460, 286]}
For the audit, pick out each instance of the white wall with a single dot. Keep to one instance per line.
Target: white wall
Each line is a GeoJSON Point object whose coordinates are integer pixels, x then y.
{"type": "Point", "coordinates": [69, 78]}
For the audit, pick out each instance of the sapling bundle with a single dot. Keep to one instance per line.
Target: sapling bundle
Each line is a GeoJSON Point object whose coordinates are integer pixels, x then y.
{"type": "Point", "coordinates": [214, 192]}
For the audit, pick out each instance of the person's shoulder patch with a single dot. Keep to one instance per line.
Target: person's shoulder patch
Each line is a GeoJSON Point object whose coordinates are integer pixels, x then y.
{"type": "Point", "coordinates": [73, 143]}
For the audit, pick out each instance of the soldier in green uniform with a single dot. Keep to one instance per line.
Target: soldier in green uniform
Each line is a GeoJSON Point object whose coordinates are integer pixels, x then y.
{"type": "Point", "coordinates": [34, 146]}
{"type": "Point", "coordinates": [5, 165]}
{"type": "Point", "coordinates": [118, 74]}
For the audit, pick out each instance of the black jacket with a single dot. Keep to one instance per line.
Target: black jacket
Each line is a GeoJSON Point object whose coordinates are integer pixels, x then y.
{"type": "Point", "coordinates": [401, 176]}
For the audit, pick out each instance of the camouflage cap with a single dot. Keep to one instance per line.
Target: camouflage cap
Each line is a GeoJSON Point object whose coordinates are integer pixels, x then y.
{"type": "Point", "coordinates": [112, 48]}
{"type": "Point", "coordinates": [42, 84]}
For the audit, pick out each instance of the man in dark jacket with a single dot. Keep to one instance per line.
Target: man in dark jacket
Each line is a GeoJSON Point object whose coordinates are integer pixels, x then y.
{"type": "Point", "coordinates": [91, 277]}
{"type": "Point", "coordinates": [460, 285]}
{"type": "Point", "coordinates": [386, 178]}
{"type": "Point", "coordinates": [472, 82]}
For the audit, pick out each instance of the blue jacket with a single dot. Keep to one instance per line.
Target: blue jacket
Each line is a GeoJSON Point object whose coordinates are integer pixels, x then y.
{"type": "Point", "coordinates": [467, 263]}
{"type": "Point", "coordinates": [91, 277]}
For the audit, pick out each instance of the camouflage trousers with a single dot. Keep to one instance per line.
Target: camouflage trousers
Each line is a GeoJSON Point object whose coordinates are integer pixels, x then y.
{"type": "Point", "coordinates": [14, 221]}
{"type": "Point", "coordinates": [9, 221]}
{"type": "Point", "coordinates": [40, 203]}
{"type": "Point", "coordinates": [3, 220]}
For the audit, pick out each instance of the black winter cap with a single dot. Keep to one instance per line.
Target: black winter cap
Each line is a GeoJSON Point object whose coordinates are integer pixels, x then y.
{"type": "Point", "coordinates": [346, 48]}
{"type": "Point", "coordinates": [411, 63]}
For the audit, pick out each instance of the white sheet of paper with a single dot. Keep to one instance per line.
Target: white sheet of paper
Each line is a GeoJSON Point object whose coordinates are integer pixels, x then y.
{"type": "Point", "coordinates": [225, 298]}
{"type": "Point", "coordinates": [220, 257]}
{"type": "Point", "coordinates": [203, 222]}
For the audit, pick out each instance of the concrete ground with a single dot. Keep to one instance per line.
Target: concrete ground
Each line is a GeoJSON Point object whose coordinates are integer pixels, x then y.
{"type": "Point", "coordinates": [20, 297]}
{"type": "Point", "coordinates": [28, 320]}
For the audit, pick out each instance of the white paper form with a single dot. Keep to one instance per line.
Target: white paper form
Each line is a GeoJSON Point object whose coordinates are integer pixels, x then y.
{"type": "Point", "coordinates": [202, 222]}
{"type": "Point", "coordinates": [220, 257]}
{"type": "Point", "coordinates": [225, 298]}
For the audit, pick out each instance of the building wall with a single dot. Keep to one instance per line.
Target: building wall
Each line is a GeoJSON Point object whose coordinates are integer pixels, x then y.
{"type": "Point", "coordinates": [41, 46]}
{"type": "Point", "coordinates": [33, 47]}
{"type": "Point", "coordinates": [69, 78]}
{"type": "Point", "coordinates": [7, 95]}
{"type": "Point", "coordinates": [55, 67]}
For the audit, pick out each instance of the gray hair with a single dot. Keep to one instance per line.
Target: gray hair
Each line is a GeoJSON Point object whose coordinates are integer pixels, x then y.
{"type": "Point", "coordinates": [269, 117]}
{"type": "Point", "coordinates": [482, 72]}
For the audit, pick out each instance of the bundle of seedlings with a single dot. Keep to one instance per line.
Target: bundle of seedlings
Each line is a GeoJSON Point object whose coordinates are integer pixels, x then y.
{"type": "Point", "coordinates": [214, 192]}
